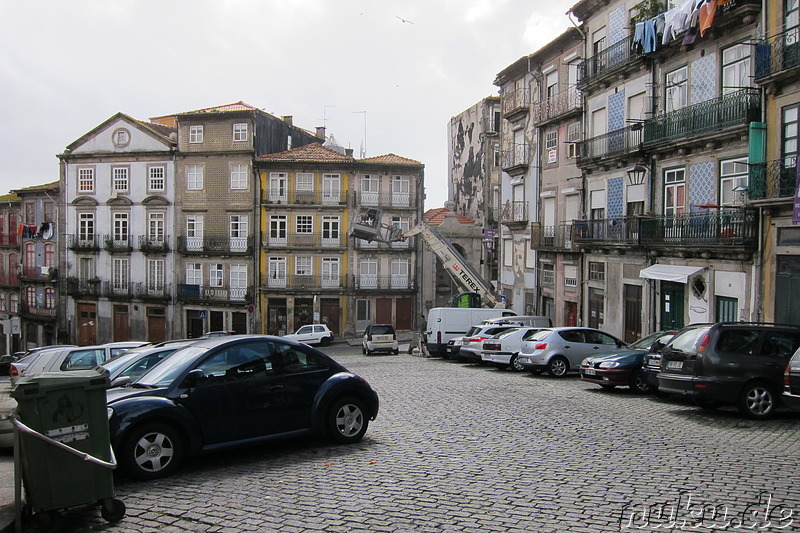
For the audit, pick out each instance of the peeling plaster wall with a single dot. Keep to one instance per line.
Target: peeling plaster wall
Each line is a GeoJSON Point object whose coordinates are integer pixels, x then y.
{"type": "Point", "coordinates": [469, 185]}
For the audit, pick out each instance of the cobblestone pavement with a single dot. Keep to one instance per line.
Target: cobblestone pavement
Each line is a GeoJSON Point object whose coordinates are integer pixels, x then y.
{"type": "Point", "coordinates": [475, 449]}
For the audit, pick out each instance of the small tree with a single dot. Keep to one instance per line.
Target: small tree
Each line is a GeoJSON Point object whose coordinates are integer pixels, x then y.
{"type": "Point", "coordinates": [647, 9]}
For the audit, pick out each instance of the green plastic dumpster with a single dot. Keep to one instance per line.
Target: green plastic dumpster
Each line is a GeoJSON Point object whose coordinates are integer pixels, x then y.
{"type": "Point", "coordinates": [65, 450]}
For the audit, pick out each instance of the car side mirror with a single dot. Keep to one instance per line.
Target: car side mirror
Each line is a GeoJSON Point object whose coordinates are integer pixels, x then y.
{"type": "Point", "coordinates": [120, 381]}
{"type": "Point", "coordinates": [193, 378]}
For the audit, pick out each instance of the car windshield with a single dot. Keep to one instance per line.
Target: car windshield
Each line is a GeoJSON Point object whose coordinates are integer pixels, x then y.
{"type": "Point", "coordinates": [505, 333]}
{"type": "Point", "coordinates": [381, 330]}
{"type": "Point", "coordinates": [646, 342]}
{"type": "Point", "coordinates": [686, 341]}
{"type": "Point", "coordinates": [113, 364]}
{"type": "Point", "coordinates": [163, 375]}
{"type": "Point", "coordinates": [540, 335]}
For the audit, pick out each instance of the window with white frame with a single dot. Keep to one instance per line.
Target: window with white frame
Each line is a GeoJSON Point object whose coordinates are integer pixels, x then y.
{"type": "Point", "coordinates": [551, 140]}
{"type": "Point", "coordinates": [155, 226]}
{"type": "Point", "coordinates": [736, 68]}
{"type": "Point", "coordinates": [330, 272]}
{"type": "Point", "coordinates": [548, 272]}
{"type": "Point", "coordinates": [597, 271]}
{"type": "Point", "coordinates": [676, 89]}
{"type": "Point", "coordinates": [370, 189]}
{"type": "Point", "coordinates": [331, 188]}
{"type": "Point", "coordinates": [86, 268]}
{"type": "Point", "coordinates": [155, 275]}
{"type": "Point", "coordinates": [674, 191]}
{"type": "Point", "coordinates": [194, 232]}
{"type": "Point", "coordinates": [120, 179]}
{"type": "Point", "coordinates": [119, 273]}
{"type": "Point", "coordinates": [276, 272]}
{"type": "Point", "coordinates": [277, 229]}
{"type": "Point", "coordinates": [368, 274]}
{"type": "Point", "coordinates": [156, 181]}
{"type": "Point", "coordinates": [277, 186]}
{"type": "Point", "coordinates": [401, 191]}
{"type": "Point", "coordinates": [195, 134]}
{"type": "Point", "coordinates": [86, 180]}
{"type": "Point", "coordinates": [216, 275]}
{"type": "Point", "coordinates": [732, 174]}
{"type": "Point", "coordinates": [399, 278]}
{"type": "Point", "coordinates": [238, 232]}
{"type": "Point", "coordinates": [304, 224]}
{"type": "Point", "coordinates": [570, 276]}
{"type": "Point", "coordinates": [239, 176]}
{"type": "Point", "coordinates": [574, 132]}
{"type": "Point", "coordinates": [303, 266]}
{"type": "Point", "coordinates": [30, 297]}
{"type": "Point", "coordinates": [240, 132]}
{"type": "Point", "coordinates": [330, 230]}
{"type": "Point", "coordinates": [304, 187]}
{"type": "Point", "coordinates": [121, 229]}
{"type": "Point", "coordinates": [403, 224]}
{"type": "Point", "coordinates": [194, 177]}
{"type": "Point", "coordinates": [238, 281]}
{"type": "Point", "coordinates": [194, 274]}
{"type": "Point", "coordinates": [86, 227]}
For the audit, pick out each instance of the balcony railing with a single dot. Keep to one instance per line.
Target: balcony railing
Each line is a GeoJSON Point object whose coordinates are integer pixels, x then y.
{"type": "Point", "coordinates": [36, 311]}
{"type": "Point", "coordinates": [606, 61]}
{"type": "Point", "coordinates": [304, 197]}
{"type": "Point", "coordinates": [83, 242]}
{"type": "Point", "coordinates": [515, 101]}
{"type": "Point", "coordinates": [620, 230]}
{"type": "Point", "coordinates": [295, 282]}
{"type": "Point", "coordinates": [514, 213]}
{"type": "Point", "coordinates": [216, 245]}
{"type": "Point", "coordinates": [40, 273]}
{"type": "Point", "coordinates": [82, 288]}
{"type": "Point", "coordinates": [151, 245]}
{"type": "Point", "coordinates": [152, 291]}
{"type": "Point", "coordinates": [391, 199]}
{"type": "Point", "coordinates": [396, 282]}
{"type": "Point", "coordinates": [117, 243]}
{"type": "Point", "coordinates": [552, 237]}
{"type": "Point", "coordinates": [517, 157]}
{"type": "Point", "coordinates": [558, 105]}
{"type": "Point", "coordinates": [734, 109]}
{"type": "Point", "coordinates": [305, 240]}
{"type": "Point", "coordinates": [779, 54]}
{"type": "Point", "coordinates": [202, 293]}
{"type": "Point", "coordinates": [773, 179]}
{"type": "Point", "coordinates": [612, 144]}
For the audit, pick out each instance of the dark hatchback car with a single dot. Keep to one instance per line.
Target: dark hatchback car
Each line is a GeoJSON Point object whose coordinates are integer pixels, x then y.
{"type": "Point", "coordinates": [624, 368]}
{"type": "Point", "coordinates": [230, 391]}
{"type": "Point", "coordinates": [734, 363]}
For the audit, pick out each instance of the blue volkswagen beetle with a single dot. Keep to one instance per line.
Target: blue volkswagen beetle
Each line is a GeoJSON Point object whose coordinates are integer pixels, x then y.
{"type": "Point", "coordinates": [231, 391]}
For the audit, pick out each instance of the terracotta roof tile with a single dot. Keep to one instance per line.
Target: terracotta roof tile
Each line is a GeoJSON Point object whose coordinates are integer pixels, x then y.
{"type": "Point", "coordinates": [237, 106]}
{"type": "Point", "coordinates": [313, 153]}
{"type": "Point", "coordinates": [391, 159]}
{"type": "Point", "coordinates": [436, 216]}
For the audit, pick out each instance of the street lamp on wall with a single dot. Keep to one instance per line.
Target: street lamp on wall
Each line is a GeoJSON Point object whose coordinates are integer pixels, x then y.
{"type": "Point", "coordinates": [637, 174]}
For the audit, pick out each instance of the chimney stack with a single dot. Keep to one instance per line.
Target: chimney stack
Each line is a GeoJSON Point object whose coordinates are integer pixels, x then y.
{"type": "Point", "coordinates": [348, 152]}
{"type": "Point", "coordinates": [321, 132]}
{"type": "Point", "coordinates": [287, 119]}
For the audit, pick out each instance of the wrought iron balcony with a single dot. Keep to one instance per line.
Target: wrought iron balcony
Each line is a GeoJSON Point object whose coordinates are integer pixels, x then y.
{"type": "Point", "coordinates": [619, 230]}
{"type": "Point", "coordinates": [617, 143]}
{"type": "Point", "coordinates": [152, 291]}
{"type": "Point", "coordinates": [778, 55]}
{"type": "Point", "coordinates": [565, 102]}
{"type": "Point", "coordinates": [736, 109]}
{"type": "Point", "coordinates": [515, 102]}
{"type": "Point", "coordinates": [517, 159]}
{"type": "Point", "coordinates": [514, 213]}
{"type": "Point", "coordinates": [149, 245]}
{"type": "Point", "coordinates": [391, 199]}
{"type": "Point", "coordinates": [36, 311]}
{"type": "Point", "coordinates": [84, 243]}
{"type": "Point", "coordinates": [305, 240]}
{"type": "Point", "coordinates": [616, 55]}
{"type": "Point", "coordinates": [295, 282]}
{"type": "Point", "coordinates": [772, 179]}
{"type": "Point", "coordinates": [119, 243]}
{"type": "Point", "coordinates": [39, 273]}
{"type": "Point", "coordinates": [373, 282]}
{"type": "Point", "coordinates": [215, 245]}
{"type": "Point", "coordinates": [221, 294]}
{"type": "Point", "coordinates": [82, 288]}
{"type": "Point", "coordinates": [553, 238]}
{"type": "Point", "coordinates": [294, 197]}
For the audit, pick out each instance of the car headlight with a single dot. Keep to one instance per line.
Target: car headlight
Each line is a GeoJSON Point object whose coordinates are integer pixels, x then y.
{"type": "Point", "coordinates": [585, 362]}
{"type": "Point", "coordinates": [109, 412]}
{"type": "Point", "coordinates": [609, 364]}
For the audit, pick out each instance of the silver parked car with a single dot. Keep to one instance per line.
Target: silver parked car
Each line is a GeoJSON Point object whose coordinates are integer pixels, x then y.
{"type": "Point", "coordinates": [503, 349]}
{"type": "Point", "coordinates": [561, 350]}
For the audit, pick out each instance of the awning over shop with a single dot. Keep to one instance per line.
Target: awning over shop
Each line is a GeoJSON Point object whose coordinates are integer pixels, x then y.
{"type": "Point", "coordinates": [679, 274]}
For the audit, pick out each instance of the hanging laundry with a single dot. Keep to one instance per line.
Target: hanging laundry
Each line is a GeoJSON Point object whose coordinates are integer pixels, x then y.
{"type": "Point", "coordinates": [669, 20]}
{"type": "Point", "coordinates": [692, 26]}
{"type": "Point", "coordinates": [707, 13]}
{"type": "Point", "coordinates": [638, 38]}
{"type": "Point", "coordinates": [650, 39]}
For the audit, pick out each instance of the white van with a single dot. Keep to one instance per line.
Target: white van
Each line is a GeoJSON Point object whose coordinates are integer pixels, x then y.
{"type": "Point", "coordinates": [445, 323]}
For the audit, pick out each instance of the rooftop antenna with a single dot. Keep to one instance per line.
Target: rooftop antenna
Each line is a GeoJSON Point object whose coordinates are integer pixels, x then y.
{"type": "Point", "coordinates": [363, 152]}
{"type": "Point", "coordinates": [325, 115]}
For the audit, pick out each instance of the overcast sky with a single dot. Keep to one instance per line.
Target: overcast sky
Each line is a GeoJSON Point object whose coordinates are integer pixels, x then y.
{"type": "Point", "coordinates": [67, 66]}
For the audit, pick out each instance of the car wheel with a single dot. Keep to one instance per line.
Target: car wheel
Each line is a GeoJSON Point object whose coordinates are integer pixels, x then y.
{"type": "Point", "coordinates": [396, 351]}
{"type": "Point", "coordinates": [347, 421]}
{"type": "Point", "coordinates": [151, 451]}
{"type": "Point", "coordinates": [638, 383]}
{"type": "Point", "coordinates": [514, 365]}
{"type": "Point", "coordinates": [363, 349]}
{"type": "Point", "coordinates": [757, 400]}
{"type": "Point", "coordinates": [558, 366]}
{"type": "Point", "coordinates": [325, 341]}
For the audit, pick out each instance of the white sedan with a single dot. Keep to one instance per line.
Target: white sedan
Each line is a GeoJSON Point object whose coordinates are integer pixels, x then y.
{"type": "Point", "coordinates": [312, 334]}
{"type": "Point", "coordinates": [502, 349]}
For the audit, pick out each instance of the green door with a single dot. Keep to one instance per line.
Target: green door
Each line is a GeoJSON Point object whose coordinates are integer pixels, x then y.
{"type": "Point", "coordinates": [672, 296]}
{"type": "Point", "coordinates": [787, 287]}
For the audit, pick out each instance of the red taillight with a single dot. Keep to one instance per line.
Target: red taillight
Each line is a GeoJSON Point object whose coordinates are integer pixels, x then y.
{"type": "Point", "coordinates": [477, 339]}
{"type": "Point", "coordinates": [14, 371]}
{"type": "Point", "coordinates": [540, 346]}
{"type": "Point", "coordinates": [704, 343]}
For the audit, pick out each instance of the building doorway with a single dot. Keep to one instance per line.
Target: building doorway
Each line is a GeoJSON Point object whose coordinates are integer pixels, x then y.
{"type": "Point", "coordinates": [87, 324]}
{"type": "Point", "coordinates": [672, 306]}
{"type": "Point", "coordinates": [633, 312]}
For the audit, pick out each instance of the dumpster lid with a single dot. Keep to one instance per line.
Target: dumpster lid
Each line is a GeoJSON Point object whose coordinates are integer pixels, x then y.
{"type": "Point", "coordinates": [39, 384]}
